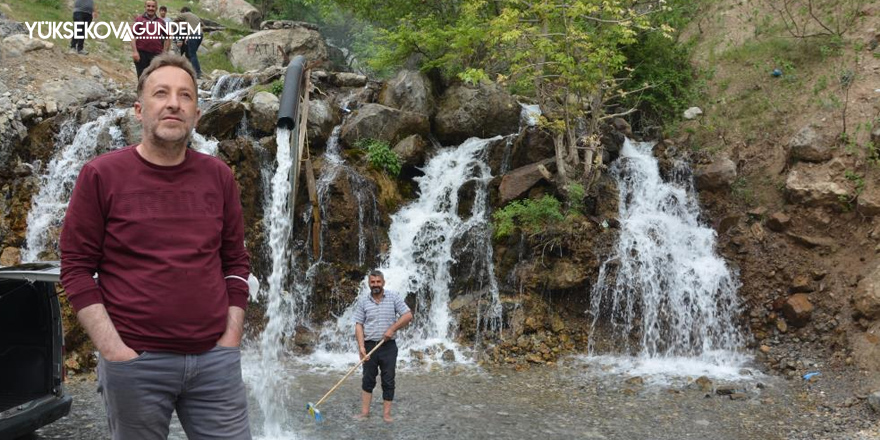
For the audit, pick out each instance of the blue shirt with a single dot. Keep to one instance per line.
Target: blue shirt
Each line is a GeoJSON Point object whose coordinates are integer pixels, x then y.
{"type": "Point", "coordinates": [378, 317]}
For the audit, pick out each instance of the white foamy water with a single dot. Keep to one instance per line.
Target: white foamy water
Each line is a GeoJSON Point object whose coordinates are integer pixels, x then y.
{"type": "Point", "coordinates": [265, 373]}
{"type": "Point", "coordinates": [426, 238]}
{"type": "Point", "coordinates": [50, 203]}
{"type": "Point", "coordinates": [664, 283]}
{"type": "Point", "coordinates": [231, 87]}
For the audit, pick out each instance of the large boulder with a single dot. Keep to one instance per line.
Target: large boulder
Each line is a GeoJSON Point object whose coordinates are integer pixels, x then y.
{"type": "Point", "coordinates": [322, 118]}
{"type": "Point", "coordinates": [11, 27]}
{"type": "Point", "coordinates": [717, 175]}
{"type": "Point", "coordinates": [797, 309]}
{"type": "Point", "coordinates": [866, 299]}
{"type": "Point", "coordinates": [484, 111]}
{"type": "Point", "coordinates": [23, 43]}
{"type": "Point", "coordinates": [238, 11]}
{"type": "Point", "coordinates": [809, 146]}
{"type": "Point", "coordinates": [73, 93]}
{"type": "Point", "coordinates": [412, 150]}
{"type": "Point", "coordinates": [517, 182]}
{"type": "Point", "coordinates": [276, 47]}
{"type": "Point", "coordinates": [264, 111]}
{"type": "Point", "coordinates": [411, 91]}
{"type": "Point", "coordinates": [817, 185]}
{"type": "Point", "coordinates": [383, 123]}
{"type": "Point", "coordinates": [221, 119]}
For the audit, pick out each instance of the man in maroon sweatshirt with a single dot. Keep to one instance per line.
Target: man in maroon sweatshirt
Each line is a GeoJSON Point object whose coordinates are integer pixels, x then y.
{"type": "Point", "coordinates": [150, 38]}
{"type": "Point", "coordinates": [162, 227]}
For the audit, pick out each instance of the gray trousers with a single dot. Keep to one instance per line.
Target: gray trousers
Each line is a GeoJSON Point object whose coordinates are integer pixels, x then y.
{"type": "Point", "coordinates": [206, 390]}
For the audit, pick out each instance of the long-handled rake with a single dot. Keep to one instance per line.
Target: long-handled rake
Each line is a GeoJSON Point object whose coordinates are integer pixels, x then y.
{"type": "Point", "coordinates": [312, 407]}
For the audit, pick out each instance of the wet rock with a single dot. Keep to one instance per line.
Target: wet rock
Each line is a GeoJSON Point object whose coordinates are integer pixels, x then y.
{"type": "Point", "coordinates": [704, 383]}
{"type": "Point", "coordinates": [221, 119]}
{"type": "Point", "coordinates": [305, 338]}
{"type": "Point", "coordinates": [484, 111]}
{"type": "Point", "coordinates": [636, 380]}
{"type": "Point", "coordinates": [11, 256]}
{"type": "Point", "coordinates": [264, 111]}
{"type": "Point", "coordinates": [517, 182]}
{"type": "Point", "coordinates": [448, 356]}
{"type": "Point", "coordinates": [412, 150]}
{"type": "Point", "coordinates": [867, 297]}
{"type": "Point", "coordinates": [377, 121]}
{"type": "Point", "coordinates": [778, 222]}
{"type": "Point", "coordinates": [719, 174]}
{"type": "Point", "coordinates": [725, 390]}
{"type": "Point", "coordinates": [739, 396]}
{"type": "Point", "coordinates": [411, 91]}
{"type": "Point", "coordinates": [798, 310]}
{"type": "Point", "coordinates": [808, 146]}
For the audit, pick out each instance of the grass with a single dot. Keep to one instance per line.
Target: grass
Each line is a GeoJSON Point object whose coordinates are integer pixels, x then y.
{"type": "Point", "coordinates": [125, 11]}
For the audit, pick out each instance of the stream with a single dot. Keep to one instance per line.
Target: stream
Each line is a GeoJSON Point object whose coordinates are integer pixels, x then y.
{"type": "Point", "coordinates": [570, 400]}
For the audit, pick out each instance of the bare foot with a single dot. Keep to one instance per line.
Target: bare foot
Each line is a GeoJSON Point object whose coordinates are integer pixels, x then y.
{"type": "Point", "coordinates": [360, 416]}
{"type": "Point", "coordinates": [387, 418]}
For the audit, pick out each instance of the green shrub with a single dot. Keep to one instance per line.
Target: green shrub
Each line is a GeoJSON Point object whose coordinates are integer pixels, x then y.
{"type": "Point", "coordinates": [380, 155]}
{"type": "Point", "coordinates": [576, 195]}
{"type": "Point", "coordinates": [530, 215]}
{"type": "Point", "coordinates": [277, 87]}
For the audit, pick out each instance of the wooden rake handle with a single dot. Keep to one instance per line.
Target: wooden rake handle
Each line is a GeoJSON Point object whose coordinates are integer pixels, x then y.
{"type": "Point", "coordinates": [351, 370]}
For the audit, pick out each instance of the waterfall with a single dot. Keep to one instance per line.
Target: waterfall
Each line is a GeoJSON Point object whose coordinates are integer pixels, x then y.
{"type": "Point", "coordinates": [50, 203]}
{"type": "Point", "coordinates": [427, 237]}
{"type": "Point", "coordinates": [281, 305]}
{"type": "Point", "coordinates": [664, 293]}
{"type": "Point", "coordinates": [231, 87]}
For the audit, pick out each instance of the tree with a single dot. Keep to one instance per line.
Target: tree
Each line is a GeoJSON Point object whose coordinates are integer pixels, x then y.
{"type": "Point", "coordinates": [566, 54]}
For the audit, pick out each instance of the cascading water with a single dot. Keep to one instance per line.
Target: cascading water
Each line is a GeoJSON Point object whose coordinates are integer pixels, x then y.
{"type": "Point", "coordinates": [664, 282]}
{"type": "Point", "coordinates": [231, 87]}
{"type": "Point", "coordinates": [427, 237]}
{"type": "Point", "coordinates": [50, 203]}
{"type": "Point", "coordinates": [281, 306]}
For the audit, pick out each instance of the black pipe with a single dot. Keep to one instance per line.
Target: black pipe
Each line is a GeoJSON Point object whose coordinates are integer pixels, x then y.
{"type": "Point", "coordinates": [288, 112]}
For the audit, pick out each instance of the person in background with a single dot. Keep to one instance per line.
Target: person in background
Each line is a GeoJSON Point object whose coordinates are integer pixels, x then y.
{"type": "Point", "coordinates": [153, 40]}
{"type": "Point", "coordinates": [84, 11]}
{"type": "Point", "coordinates": [161, 225]}
{"type": "Point", "coordinates": [191, 42]}
{"type": "Point", "coordinates": [378, 316]}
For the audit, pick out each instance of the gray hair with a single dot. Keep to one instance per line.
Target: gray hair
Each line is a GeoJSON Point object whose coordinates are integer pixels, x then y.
{"type": "Point", "coordinates": [377, 273]}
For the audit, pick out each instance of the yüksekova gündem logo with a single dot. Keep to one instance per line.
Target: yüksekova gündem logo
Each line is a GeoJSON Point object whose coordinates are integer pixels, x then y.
{"type": "Point", "coordinates": [101, 30]}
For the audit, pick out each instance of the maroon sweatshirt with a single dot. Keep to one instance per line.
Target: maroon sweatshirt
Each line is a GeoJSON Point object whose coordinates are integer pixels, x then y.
{"type": "Point", "coordinates": [162, 240]}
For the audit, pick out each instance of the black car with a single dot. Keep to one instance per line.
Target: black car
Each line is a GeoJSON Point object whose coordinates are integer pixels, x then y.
{"type": "Point", "coordinates": [31, 350]}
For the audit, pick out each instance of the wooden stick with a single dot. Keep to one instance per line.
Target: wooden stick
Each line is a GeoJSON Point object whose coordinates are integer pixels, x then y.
{"type": "Point", "coordinates": [349, 373]}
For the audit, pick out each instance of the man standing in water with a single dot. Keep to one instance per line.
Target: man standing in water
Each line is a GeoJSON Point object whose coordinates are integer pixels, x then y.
{"type": "Point", "coordinates": [378, 316]}
{"type": "Point", "coordinates": [162, 227]}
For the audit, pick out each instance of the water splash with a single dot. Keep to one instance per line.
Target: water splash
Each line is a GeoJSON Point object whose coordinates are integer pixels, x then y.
{"type": "Point", "coordinates": [664, 282]}
{"type": "Point", "coordinates": [50, 203]}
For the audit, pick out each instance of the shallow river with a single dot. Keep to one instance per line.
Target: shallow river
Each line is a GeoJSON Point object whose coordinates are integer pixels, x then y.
{"type": "Point", "coordinates": [569, 401]}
